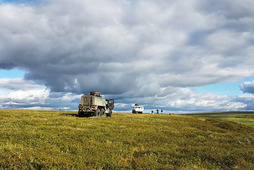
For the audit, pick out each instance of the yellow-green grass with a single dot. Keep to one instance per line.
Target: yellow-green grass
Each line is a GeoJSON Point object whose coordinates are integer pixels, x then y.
{"type": "Point", "coordinates": [246, 118]}
{"type": "Point", "coordinates": [62, 140]}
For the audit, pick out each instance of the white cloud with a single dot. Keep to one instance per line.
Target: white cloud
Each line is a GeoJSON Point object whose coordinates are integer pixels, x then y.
{"type": "Point", "coordinates": [19, 84]}
{"type": "Point", "coordinates": [247, 87]}
{"type": "Point", "coordinates": [207, 102]}
{"type": "Point", "coordinates": [24, 94]}
{"type": "Point", "coordinates": [20, 93]}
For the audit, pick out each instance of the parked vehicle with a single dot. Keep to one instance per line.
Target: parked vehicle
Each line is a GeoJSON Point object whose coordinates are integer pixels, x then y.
{"type": "Point", "coordinates": [95, 105]}
{"type": "Point", "coordinates": [137, 109]}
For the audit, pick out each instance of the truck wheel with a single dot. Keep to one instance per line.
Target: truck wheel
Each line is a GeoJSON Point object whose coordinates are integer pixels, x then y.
{"type": "Point", "coordinates": [80, 113]}
{"type": "Point", "coordinates": [102, 112]}
{"type": "Point", "coordinates": [109, 114]}
{"type": "Point", "coordinates": [97, 112]}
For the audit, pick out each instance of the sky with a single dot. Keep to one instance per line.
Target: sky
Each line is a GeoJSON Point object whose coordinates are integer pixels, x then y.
{"type": "Point", "coordinates": [178, 56]}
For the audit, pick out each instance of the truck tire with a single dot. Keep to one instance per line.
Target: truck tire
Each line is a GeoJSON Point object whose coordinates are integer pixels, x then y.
{"type": "Point", "coordinates": [97, 112]}
{"type": "Point", "coordinates": [80, 114]}
{"type": "Point", "coordinates": [102, 112]}
{"type": "Point", "coordinates": [109, 114]}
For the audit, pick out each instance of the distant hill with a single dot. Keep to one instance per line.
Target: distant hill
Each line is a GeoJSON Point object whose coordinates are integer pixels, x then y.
{"type": "Point", "coordinates": [244, 117]}
{"type": "Point", "coordinates": [60, 139]}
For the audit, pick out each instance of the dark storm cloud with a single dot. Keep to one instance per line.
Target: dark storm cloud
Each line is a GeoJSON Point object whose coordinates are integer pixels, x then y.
{"type": "Point", "coordinates": [128, 49]}
{"type": "Point", "coordinates": [232, 10]}
{"type": "Point", "coordinates": [7, 65]}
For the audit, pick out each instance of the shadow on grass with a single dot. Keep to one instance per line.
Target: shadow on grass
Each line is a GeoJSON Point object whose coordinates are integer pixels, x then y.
{"type": "Point", "coordinates": [75, 115]}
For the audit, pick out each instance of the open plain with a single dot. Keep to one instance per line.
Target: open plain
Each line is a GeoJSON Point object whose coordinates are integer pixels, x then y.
{"type": "Point", "coordinates": [61, 139]}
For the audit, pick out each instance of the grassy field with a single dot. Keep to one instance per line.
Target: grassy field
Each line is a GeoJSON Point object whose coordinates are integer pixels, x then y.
{"type": "Point", "coordinates": [246, 118]}
{"type": "Point", "coordinates": [61, 140]}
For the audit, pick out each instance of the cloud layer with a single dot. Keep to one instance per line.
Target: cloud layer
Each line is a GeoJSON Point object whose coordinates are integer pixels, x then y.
{"type": "Point", "coordinates": [132, 50]}
{"type": "Point", "coordinates": [18, 93]}
{"type": "Point", "coordinates": [247, 87]}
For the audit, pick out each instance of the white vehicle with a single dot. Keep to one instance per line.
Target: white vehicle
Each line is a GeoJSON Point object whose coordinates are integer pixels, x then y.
{"type": "Point", "coordinates": [137, 109]}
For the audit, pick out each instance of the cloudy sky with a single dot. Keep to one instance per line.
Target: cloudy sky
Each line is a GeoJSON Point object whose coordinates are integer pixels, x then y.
{"type": "Point", "coordinates": [179, 56]}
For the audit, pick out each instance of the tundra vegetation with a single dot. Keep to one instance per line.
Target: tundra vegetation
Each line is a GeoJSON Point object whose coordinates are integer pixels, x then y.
{"type": "Point", "coordinates": [61, 139]}
{"type": "Point", "coordinates": [246, 118]}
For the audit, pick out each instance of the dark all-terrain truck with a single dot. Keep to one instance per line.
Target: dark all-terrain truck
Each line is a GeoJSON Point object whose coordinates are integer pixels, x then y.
{"type": "Point", "coordinates": [95, 105]}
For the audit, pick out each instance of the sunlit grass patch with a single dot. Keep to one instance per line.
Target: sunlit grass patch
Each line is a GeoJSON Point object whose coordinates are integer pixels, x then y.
{"type": "Point", "coordinates": [246, 118]}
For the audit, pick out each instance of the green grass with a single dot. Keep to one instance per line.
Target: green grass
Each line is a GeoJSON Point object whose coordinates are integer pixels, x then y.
{"type": "Point", "coordinates": [246, 118]}
{"type": "Point", "coordinates": [58, 139]}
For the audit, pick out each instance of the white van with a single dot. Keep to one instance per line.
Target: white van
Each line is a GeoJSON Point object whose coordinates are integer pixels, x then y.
{"type": "Point", "coordinates": [137, 109]}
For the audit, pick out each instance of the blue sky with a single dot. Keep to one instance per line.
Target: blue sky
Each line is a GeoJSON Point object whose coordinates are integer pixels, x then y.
{"type": "Point", "coordinates": [177, 56]}
{"type": "Point", "coordinates": [232, 88]}
{"type": "Point", "coordinates": [14, 73]}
